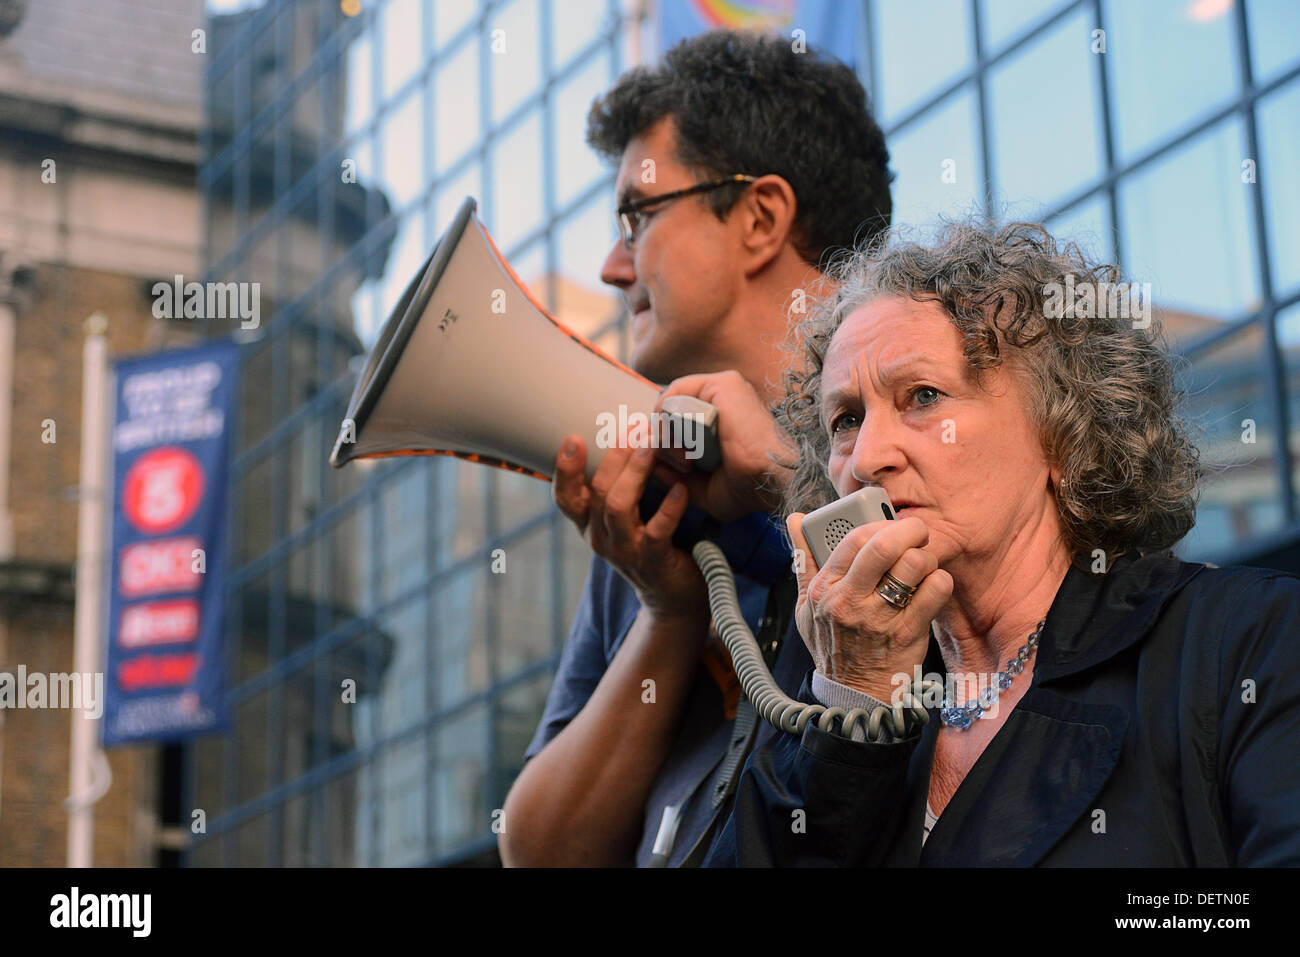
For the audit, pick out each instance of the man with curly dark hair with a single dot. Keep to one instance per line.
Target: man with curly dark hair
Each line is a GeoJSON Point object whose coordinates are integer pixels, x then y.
{"type": "Point", "coordinates": [1106, 703]}
{"type": "Point", "coordinates": [742, 162]}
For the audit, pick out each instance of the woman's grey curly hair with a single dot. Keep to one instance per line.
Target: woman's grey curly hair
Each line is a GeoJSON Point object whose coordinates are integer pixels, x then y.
{"type": "Point", "coordinates": [1101, 390]}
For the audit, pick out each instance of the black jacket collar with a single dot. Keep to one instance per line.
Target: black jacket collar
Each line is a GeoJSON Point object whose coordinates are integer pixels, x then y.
{"type": "Point", "coordinates": [1096, 616]}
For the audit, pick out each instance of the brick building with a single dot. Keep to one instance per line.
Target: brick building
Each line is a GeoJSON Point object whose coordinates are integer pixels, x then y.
{"type": "Point", "coordinates": [99, 110]}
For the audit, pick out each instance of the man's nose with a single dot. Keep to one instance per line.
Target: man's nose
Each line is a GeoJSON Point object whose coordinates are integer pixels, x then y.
{"type": "Point", "coordinates": [619, 269]}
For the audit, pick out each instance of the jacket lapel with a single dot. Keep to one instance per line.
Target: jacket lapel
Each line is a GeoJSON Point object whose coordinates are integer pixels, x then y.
{"type": "Point", "coordinates": [1033, 782]}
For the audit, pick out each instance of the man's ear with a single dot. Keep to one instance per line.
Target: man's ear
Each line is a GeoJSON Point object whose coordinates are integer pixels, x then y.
{"type": "Point", "coordinates": [767, 210]}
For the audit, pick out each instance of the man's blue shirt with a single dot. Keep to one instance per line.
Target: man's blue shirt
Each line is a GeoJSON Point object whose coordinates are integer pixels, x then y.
{"type": "Point", "coordinates": [608, 607]}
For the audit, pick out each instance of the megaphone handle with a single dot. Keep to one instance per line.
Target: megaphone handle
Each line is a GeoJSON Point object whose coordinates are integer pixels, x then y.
{"type": "Point", "coordinates": [696, 423]}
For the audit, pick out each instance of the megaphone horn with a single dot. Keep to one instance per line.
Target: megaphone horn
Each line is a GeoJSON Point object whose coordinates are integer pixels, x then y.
{"type": "Point", "coordinates": [469, 364]}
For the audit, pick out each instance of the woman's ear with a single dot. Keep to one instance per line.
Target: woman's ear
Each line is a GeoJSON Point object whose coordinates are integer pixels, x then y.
{"type": "Point", "coordinates": [768, 210]}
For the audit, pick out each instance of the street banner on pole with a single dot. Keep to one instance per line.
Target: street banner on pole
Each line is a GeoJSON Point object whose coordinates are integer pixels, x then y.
{"type": "Point", "coordinates": [173, 413]}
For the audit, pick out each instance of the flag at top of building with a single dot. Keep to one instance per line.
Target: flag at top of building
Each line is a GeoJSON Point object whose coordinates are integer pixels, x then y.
{"type": "Point", "coordinates": [831, 26]}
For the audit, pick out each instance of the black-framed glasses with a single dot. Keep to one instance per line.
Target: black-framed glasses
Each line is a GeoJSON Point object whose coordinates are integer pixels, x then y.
{"type": "Point", "coordinates": [629, 214]}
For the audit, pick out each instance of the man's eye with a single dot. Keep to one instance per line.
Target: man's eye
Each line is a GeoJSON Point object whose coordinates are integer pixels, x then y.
{"type": "Point", "coordinates": [926, 395]}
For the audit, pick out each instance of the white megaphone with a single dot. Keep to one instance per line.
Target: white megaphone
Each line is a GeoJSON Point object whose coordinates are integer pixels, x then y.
{"type": "Point", "coordinates": [469, 364]}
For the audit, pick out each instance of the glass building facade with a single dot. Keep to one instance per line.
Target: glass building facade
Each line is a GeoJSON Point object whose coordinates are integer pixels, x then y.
{"type": "Point", "coordinates": [392, 626]}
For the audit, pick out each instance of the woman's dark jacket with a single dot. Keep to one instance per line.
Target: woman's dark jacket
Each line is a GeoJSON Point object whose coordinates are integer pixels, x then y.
{"type": "Point", "coordinates": [1161, 728]}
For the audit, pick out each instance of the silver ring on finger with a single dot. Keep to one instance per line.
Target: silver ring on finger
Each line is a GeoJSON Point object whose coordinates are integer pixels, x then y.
{"type": "Point", "coordinates": [896, 592]}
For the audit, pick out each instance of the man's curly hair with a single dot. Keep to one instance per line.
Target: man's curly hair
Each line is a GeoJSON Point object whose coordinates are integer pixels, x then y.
{"type": "Point", "coordinates": [748, 103]}
{"type": "Point", "coordinates": [1101, 392]}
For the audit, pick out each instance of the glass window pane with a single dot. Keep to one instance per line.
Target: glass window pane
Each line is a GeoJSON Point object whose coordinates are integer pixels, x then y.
{"type": "Point", "coordinates": [302, 604]}
{"type": "Point", "coordinates": [1004, 20]}
{"type": "Point", "coordinates": [935, 159]}
{"type": "Point", "coordinates": [221, 217]}
{"type": "Point", "coordinates": [405, 257]}
{"type": "Point", "coordinates": [577, 24]}
{"type": "Point", "coordinates": [1087, 225]}
{"type": "Point", "coordinates": [360, 105]}
{"type": "Point", "coordinates": [251, 844]}
{"type": "Point", "coordinates": [341, 803]}
{"type": "Point", "coordinates": [1274, 28]}
{"type": "Point", "coordinates": [455, 107]}
{"type": "Point", "coordinates": [1231, 417]}
{"type": "Point", "coordinates": [460, 660]}
{"type": "Point", "coordinates": [262, 182]}
{"type": "Point", "coordinates": [254, 500]}
{"type": "Point", "coordinates": [451, 16]}
{"type": "Point", "coordinates": [404, 515]}
{"type": "Point", "coordinates": [297, 832]}
{"type": "Point", "coordinates": [523, 601]}
{"type": "Point", "coordinates": [459, 780]}
{"type": "Point", "coordinates": [302, 259]}
{"type": "Point", "coordinates": [1288, 337]}
{"type": "Point", "coordinates": [518, 712]}
{"type": "Point", "coordinates": [254, 397]}
{"type": "Point", "coordinates": [461, 509]}
{"type": "Point", "coordinates": [915, 59]}
{"type": "Point", "coordinates": [298, 701]}
{"type": "Point", "coordinates": [251, 734]}
{"type": "Point", "coordinates": [402, 28]}
{"type": "Point", "coordinates": [577, 564]}
{"type": "Point", "coordinates": [1278, 118]}
{"type": "Point", "coordinates": [577, 166]}
{"type": "Point", "coordinates": [519, 498]}
{"type": "Point", "coordinates": [306, 448]}
{"type": "Point", "coordinates": [246, 629]}
{"type": "Point", "coordinates": [516, 184]}
{"type": "Point", "coordinates": [306, 125]}
{"type": "Point", "coordinates": [583, 302]}
{"type": "Point", "coordinates": [350, 550]}
{"type": "Point", "coordinates": [401, 700]}
{"type": "Point", "coordinates": [1199, 255]}
{"type": "Point", "coordinates": [513, 45]}
{"type": "Point", "coordinates": [402, 784]}
{"type": "Point", "coordinates": [1047, 161]}
{"type": "Point", "coordinates": [1169, 63]}
{"type": "Point", "coordinates": [402, 148]}
{"type": "Point", "coordinates": [207, 755]}
{"type": "Point", "coordinates": [469, 182]}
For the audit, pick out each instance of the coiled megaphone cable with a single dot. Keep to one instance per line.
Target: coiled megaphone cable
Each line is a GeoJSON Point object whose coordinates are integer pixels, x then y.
{"type": "Point", "coordinates": [773, 704]}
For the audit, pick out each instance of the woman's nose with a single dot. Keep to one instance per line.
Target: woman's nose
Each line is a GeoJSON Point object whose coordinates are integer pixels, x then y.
{"type": "Point", "coordinates": [876, 453]}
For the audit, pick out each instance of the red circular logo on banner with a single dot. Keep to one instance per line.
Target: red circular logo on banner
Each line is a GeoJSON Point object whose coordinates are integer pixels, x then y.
{"type": "Point", "coordinates": [162, 490]}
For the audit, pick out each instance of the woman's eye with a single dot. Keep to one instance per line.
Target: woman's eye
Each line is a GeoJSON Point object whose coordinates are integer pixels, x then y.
{"type": "Point", "coordinates": [844, 421]}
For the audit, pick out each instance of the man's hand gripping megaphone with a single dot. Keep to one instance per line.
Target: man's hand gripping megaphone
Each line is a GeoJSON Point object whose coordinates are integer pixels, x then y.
{"type": "Point", "coordinates": [609, 511]}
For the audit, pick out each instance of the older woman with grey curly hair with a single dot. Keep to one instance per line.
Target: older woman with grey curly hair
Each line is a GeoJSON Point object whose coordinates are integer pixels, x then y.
{"type": "Point", "coordinates": [1106, 703]}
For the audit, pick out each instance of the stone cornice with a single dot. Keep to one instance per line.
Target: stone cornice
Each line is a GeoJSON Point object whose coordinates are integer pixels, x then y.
{"type": "Point", "coordinates": [97, 120]}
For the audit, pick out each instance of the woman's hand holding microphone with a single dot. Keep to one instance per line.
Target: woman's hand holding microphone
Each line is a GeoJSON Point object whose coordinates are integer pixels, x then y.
{"type": "Point", "coordinates": [854, 634]}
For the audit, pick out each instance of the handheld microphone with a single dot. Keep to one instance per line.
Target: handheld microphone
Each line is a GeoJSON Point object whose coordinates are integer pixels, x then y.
{"type": "Point", "coordinates": [829, 525]}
